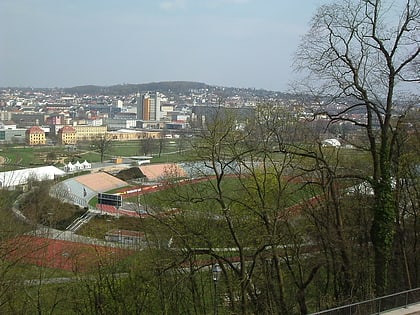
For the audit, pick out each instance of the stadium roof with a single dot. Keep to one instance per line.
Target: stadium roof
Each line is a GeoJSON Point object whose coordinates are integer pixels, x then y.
{"type": "Point", "coordinates": [100, 181]}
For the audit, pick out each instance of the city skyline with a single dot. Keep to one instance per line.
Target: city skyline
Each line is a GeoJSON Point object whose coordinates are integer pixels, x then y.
{"type": "Point", "coordinates": [238, 43]}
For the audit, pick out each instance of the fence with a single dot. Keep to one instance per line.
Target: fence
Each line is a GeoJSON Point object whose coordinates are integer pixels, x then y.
{"type": "Point", "coordinates": [377, 305]}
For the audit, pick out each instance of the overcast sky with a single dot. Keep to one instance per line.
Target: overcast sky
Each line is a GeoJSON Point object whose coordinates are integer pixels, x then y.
{"type": "Point", "coordinates": [235, 43]}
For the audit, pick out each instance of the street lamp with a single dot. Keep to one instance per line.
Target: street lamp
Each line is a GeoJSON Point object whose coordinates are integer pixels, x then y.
{"type": "Point", "coordinates": [216, 275]}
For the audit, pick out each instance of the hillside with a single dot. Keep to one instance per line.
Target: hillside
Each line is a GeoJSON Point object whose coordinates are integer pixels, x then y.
{"type": "Point", "coordinates": [125, 89]}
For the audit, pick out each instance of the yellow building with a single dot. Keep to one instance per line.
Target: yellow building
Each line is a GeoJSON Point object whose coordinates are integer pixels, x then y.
{"type": "Point", "coordinates": [86, 133]}
{"type": "Point", "coordinates": [67, 135]}
{"type": "Point", "coordinates": [35, 136]}
{"type": "Point", "coordinates": [128, 135]}
{"type": "Point", "coordinates": [153, 134]}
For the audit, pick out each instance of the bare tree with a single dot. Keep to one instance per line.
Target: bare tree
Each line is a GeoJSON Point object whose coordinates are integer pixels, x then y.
{"type": "Point", "coordinates": [241, 206]}
{"type": "Point", "coordinates": [408, 198]}
{"type": "Point", "coordinates": [162, 145]}
{"type": "Point", "coordinates": [147, 145]}
{"type": "Point", "coordinates": [358, 53]}
{"type": "Point", "coordinates": [102, 144]}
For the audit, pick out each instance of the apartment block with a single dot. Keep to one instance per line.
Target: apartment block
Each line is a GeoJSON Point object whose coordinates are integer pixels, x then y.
{"type": "Point", "coordinates": [35, 136]}
{"type": "Point", "coordinates": [88, 133]}
{"type": "Point", "coordinates": [67, 135]}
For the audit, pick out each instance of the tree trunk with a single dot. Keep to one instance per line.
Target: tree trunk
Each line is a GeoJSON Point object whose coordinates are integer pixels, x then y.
{"type": "Point", "coordinates": [383, 231]}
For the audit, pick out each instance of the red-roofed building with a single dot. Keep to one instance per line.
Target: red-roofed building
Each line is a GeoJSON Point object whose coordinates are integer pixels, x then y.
{"type": "Point", "coordinates": [35, 136]}
{"type": "Point", "coordinates": [67, 135]}
{"type": "Point", "coordinates": [55, 120]}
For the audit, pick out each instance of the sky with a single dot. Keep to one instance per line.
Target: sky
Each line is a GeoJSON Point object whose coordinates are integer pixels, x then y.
{"type": "Point", "coordinates": [233, 43]}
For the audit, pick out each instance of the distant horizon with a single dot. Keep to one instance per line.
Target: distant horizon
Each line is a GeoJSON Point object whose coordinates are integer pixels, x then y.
{"type": "Point", "coordinates": [130, 83]}
{"type": "Point", "coordinates": [143, 83]}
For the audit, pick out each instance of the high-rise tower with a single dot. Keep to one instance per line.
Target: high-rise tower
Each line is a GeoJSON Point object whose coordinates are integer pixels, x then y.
{"type": "Point", "coordinates": [148, 106]}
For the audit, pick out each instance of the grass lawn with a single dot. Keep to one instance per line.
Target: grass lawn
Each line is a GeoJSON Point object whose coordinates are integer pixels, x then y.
{"type": "Point", "coordinates": [294, 193]}
{"type": "Point", "coordinates": [100, 225]}
{"type": "Point", "coordinates": [167, 199]}
{"type": "Point", "coordinates": [129, 148]}
{"type": "Point", "coordinates": [28, 272]}
{"type": "Point", "coordinates": [20, 157]}
{"type": "Point", "coordinates": [24, 156]}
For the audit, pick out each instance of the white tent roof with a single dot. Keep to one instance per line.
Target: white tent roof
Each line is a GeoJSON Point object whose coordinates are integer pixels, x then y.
{"type": "Point", "coordinates": [21, 177]}
{"type": "Point", "coordinates": [331, 142]}
{"type": "Point", "coordinates": [86, 164]}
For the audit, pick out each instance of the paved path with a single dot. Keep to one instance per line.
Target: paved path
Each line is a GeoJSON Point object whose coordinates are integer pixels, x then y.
{"type": "Point", "coordinates": [410, 310]}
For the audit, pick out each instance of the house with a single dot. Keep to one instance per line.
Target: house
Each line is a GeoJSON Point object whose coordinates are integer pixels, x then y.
{"type": "Point", "coordinates": [55, 119]}
{"type": "Point", "coordinates": [67, 135]}
{"type": "Point", "coordinates": [35, 136]}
